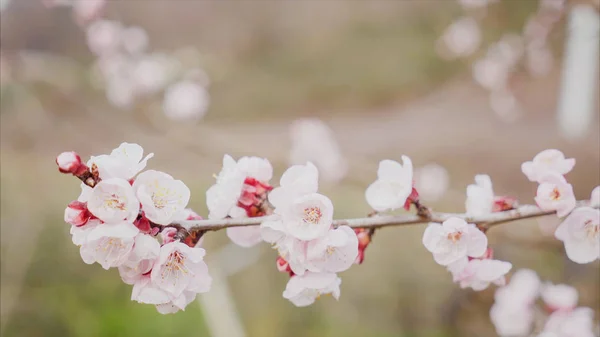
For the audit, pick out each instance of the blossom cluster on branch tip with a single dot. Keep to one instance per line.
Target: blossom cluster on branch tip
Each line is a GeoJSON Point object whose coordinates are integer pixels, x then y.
{"type": "Point", "coordinates": [241, 191]}
{"type": "Point", "coordinates": [116, 219]}
{"type": "Point", "coordinates": [580, 231]}
{"type": "Point", "coordinates": [514, 311]}
{"type": "Point", "coordinates": [309, 248]}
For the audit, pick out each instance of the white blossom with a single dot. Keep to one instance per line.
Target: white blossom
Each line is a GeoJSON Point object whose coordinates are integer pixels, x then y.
{"type": "Point", "coordinates": [296, 181]}
{"type": "Point", "coordinates": [309, 217]}
{"type": "Point", "coordinates": [580, 232]}
{"type": "Point", "coordinates": [480, 196]}
{"type": "Point", "coordinates": [141, 259]}
{"type": "Point", "coordinates": [547, 161]}
{"type": "Point", "coordinates": [162, 197]}
{"type": "Point", "coordinates": [454, 240]}
{"type": "Point", "coordinates": [180, 268]}
{"type": "Point", "coordinates": [109, 244]}
{"type": "Point", "coordinates": [113, 200]}
{"type": "Point", "coordinates": [393, 186]}
{"type": "Point", "coordinates": [123, 162]}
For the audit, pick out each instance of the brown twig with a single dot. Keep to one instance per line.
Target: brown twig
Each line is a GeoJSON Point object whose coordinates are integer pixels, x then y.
{"type": "Point", "coordinates": [483, 221]}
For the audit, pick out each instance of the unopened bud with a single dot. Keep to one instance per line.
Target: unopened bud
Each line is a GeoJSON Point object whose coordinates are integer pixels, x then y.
{"type": "Point", "coordinates": [168, 235]}
{"type": "Point", "coordinates": [502, 204]}
{"type": "Point", "coordinates": [143, 224]}
{"type": "Point", "coordinates": [77, 213]}
{"type": "Point", "coordinates": [283, 266]}
{"type": "Point", "coordinates": [70, 162]}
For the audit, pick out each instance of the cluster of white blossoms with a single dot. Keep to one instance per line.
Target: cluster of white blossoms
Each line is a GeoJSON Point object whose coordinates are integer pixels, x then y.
{"type": "Point", "coordinates": [514, 311]}
{"type": "Point", "coordinates": [309, 248]}
{"type": "Point", "coordinates": [122, 209]}
{"type": "Point", "coordinates": [580, 231]}
{"type": "Point", "coordinates": [463, 249]}
{"type": "Point", "coordinates": [117, 217]}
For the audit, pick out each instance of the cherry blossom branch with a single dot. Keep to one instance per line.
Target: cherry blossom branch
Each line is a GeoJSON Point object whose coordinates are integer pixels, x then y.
{"type": "Point", "coordinates": [483, 221]}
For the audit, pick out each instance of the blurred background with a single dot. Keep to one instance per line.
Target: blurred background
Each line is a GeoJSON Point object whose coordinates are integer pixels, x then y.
{"type": "Point", "coordinates": [462, 87]}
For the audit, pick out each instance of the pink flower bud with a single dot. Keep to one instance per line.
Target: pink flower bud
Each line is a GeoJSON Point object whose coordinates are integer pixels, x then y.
{"type": "Point", "coordinates": [70, 162]}
{"type": "Point", "coordinates": [77, 213]}
{"type": "Point", "coordinates": [168, 235]}
{"type": "Point", "coordinates": [143, 224]}
{"type": "Point", "coordinates": [412, 198]}
{"type": "Point", "coordinates": [364, 239]}
{"type": "Point", "coordinates": [283, 266]}
{"type": "Point", "coordinates": [360, 257]}
{"type": "Point", "coordinates": [502, 204]}
{"type": "Point", "coordinates": [193, 216]}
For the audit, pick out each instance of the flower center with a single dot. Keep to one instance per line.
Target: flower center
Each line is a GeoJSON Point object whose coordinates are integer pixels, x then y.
{"type": "Point", "coordinates": [159, 200]}
{"type": "Point", "coordinates": [454, 237]}
{"type": "Point", "coordinates": [174, 265]}
{"type": "Point", "coordinates": [115, 202]}
{"type": "Point", "coordinates": [592, 230]}
{"type": "Point", "coordinates": [312, 215]}
{"type": "Point", "coordinates": [555, 194]}
{"type": "Point", "coordinates": [330, 250]}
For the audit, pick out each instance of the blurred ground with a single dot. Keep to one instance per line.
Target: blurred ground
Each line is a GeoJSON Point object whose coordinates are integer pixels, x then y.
{"type": "Point", "coordinates": [369, 71]}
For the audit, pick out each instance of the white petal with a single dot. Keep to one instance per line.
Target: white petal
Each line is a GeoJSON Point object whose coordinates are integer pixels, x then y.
{"type": "Point", "coordinates": [272, 231]}
{"type": "Point", "coordinates": [582, 252]}
{"type": "Point", "coordinates": [383, 196]}
{"type": "Point", "coordinates": [245, 236]}
{"type": "Point", "coordinates": [433, 234]}
{"type": "Point", "coordinates": [303, 178]}
{"type": "Point", "coordinates": [477, 242]}
{"type": "Point", "coordinates": [492, 270]}
{"type": "Point", "coordinates": [595, 197]}
{"type": "Point", "coordinates": [390, 170]}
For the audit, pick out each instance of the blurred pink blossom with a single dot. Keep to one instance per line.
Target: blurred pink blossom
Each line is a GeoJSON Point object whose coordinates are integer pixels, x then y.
{"type": "Point", "coordinates": [512, 313]}
{"type": "Point", "coordinates": [185, 100]}
{"type": "Point", "coordinates": [559, 296]}
{"type": "Point", "coordinates": [576, 323]}
{"type": "Point", "coordinates": [104, 36]}
{"type": "Point", "coordinates": [150, 73]}
{"type": "Point", "coordinates": [490, 73]}
{"type": "Point", "coordinates": [312, 140]}
{"type": "Point", "coordinates": [135, 39]}
{"type": "Point", "coordinates": [460, 39]}
{"type": "Point", "coordinates": [432, 181]}
{"type": "Point", "coordinates": [85, 11]}
{"type": "Point", "coordinates": [474, 4]}
{"type": "Point", "coordinates": [539, 60]}
{"type": "Point", "coordinates": [505, 105]}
